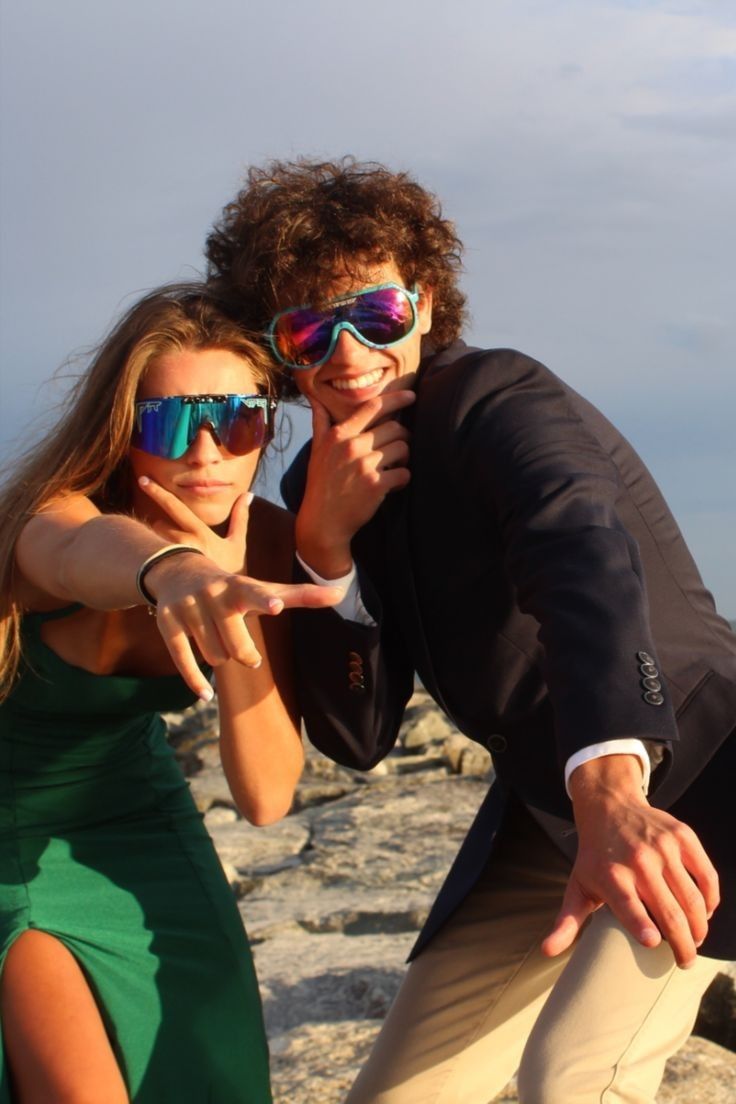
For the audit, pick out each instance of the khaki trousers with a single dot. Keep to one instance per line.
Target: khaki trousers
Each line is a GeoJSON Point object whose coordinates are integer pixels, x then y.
{"type": "Point", "coordinates": [481, 1001]}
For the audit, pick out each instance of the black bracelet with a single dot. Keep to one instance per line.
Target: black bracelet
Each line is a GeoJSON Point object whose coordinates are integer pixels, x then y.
{"type": "Point", "coordinates": [162, 554]}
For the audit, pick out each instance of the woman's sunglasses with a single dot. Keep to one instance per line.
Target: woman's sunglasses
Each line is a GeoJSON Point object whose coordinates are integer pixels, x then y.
{"type": "Point", "coordinates": [380, 316]}
{"type": "Point", "coordinates": [167, 426]}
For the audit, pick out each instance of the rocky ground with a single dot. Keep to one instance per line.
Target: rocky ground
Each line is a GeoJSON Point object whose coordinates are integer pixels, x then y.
{"type": "Point", "coordinates": [333, 897]}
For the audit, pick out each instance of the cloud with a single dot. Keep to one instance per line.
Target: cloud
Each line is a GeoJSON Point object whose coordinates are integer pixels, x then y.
{"type": "Point", "coordinates": [701, 126]}
{"type": "Point", "coordinates": [581, 146]}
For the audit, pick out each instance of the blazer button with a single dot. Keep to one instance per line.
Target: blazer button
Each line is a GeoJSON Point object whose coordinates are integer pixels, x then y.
{"type": "Point", "coordinates": [497, 744]}
{"type": "Point", "coordinates": [649, 670]}
{"type": "Point", "coordinates": [651, 684]}
{"type": "Point", "coordinates": [644, 657]}
{"type": "Point", "coordinates": [653, 697]}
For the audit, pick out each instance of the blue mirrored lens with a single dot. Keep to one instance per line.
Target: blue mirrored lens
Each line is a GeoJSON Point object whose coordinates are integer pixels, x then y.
{"type": "Point", "coordinates": [167, 426]}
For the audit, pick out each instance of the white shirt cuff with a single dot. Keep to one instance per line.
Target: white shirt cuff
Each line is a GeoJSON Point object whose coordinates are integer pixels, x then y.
{"type": "Point", "coordinates": [351, 607]}
{"type": "Point", "coordinates": [630, 746]}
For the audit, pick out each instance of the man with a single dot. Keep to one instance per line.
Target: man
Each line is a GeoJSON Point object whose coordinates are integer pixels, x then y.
{"type": "Point", "coordinates": [514, 551]}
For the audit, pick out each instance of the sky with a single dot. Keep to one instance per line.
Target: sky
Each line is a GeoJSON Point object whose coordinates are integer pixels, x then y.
{"type": "Point", "coordinates": [585, 149]}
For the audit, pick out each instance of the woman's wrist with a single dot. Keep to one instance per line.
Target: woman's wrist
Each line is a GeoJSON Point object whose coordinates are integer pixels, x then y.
{"type": "Point", "coordinates": [142, 580]}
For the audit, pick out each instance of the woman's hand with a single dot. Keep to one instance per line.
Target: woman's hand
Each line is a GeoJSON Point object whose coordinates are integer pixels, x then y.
{"type": "Point", "coordinates": [182, 526]}
{"type": "Point", "coordinates": [202, 606]}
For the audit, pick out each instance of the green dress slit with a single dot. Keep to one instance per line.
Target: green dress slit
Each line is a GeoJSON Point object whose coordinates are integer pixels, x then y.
{"type": "Point", "coordinates": [102, 846]}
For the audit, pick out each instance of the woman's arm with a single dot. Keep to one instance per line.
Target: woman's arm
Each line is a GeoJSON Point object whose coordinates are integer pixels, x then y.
{"type": "Point", "coordinates": [71, 553]}
{"type": "Point", "coordinates": [260, 741]}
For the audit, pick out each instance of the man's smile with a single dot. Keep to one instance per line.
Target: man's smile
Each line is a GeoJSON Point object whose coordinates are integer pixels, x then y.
{"type": "Point", "coordinates": [354, 383]}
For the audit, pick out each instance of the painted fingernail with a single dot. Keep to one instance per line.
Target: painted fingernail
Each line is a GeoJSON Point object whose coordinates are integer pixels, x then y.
{"type": "Point", "coordinates": [249, 496]}
{"type": "Point", "coordinates": [143, 481]}
{"type": "Point", "coordinates": [206, 694]}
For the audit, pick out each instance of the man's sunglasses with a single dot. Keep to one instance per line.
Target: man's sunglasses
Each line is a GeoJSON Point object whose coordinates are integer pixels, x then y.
{"type": "Point", "coordinates": [380, 316]}
{"type": "Point", "coordinates": [167, 426]}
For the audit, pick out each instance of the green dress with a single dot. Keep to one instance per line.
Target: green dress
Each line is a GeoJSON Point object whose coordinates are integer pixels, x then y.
{"type": "Point", "coordinates": [102, 846]}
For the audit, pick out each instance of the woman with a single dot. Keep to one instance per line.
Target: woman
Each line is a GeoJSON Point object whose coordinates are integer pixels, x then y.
{"type": "Point", "coordinates": [126, 974]}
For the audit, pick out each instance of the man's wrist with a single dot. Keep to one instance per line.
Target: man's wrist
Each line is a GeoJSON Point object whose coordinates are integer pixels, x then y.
{"type": "Point", "coordinates": [627, 746]}
{"type": "Point", "coordinates": [351, 607]}
{"type": "Point", "coordinates": [618, 776]}
{"type": "Point", "coordinates": [331, 560]}
{"type": "Point", "coordinates": [317, 577]}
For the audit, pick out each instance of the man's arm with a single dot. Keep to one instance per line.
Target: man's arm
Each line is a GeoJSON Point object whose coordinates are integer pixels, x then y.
{"type": "Point", "coordinates": [353, 675]}
{"type": "Point", "coordinates": [353, 681]}
{"type": "Point", "coordinates": [649, 868]}
{"type": "Point", "coordinates": [555, 491]}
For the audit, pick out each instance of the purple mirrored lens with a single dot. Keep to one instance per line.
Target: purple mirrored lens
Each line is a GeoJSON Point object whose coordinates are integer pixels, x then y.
{"type": "Point", "coordinates": [381, 317]}
{"type": "Point", "coordinates": [303, 336]}
{"type": "Point", "coordinates": [247, 430]}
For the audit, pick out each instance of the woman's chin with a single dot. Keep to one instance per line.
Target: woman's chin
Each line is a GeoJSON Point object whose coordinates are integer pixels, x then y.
{"type": "Point", "coordinates": [215, 515]}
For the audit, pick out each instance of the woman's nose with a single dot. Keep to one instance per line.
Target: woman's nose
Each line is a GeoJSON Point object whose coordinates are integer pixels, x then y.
{"type": "Point", "coordinates": [204, 449]}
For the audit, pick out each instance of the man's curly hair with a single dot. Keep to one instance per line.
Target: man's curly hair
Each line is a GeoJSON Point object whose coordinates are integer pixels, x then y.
{"type": "Point", "coordinates": [296, 224]}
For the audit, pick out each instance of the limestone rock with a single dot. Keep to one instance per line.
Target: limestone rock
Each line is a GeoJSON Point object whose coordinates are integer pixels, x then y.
{"type": "Point", "coordinates": [701, 1073]}
{"type": "Point", "coordinates": [717, 1017]}
{"type": "Point", "coordinates": [424, 725]}
{"type": "Point", "coordinates": [210, 789]}
{"type": "Point", "coordinates": [260, 851]}
{"type": "Point", "coordinates": [317, 1063]}
{"type": "Point", "coordinates": [334, 895]}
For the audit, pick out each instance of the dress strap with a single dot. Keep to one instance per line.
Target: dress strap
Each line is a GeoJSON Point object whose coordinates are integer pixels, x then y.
{"type": "Point", "coordinates": [39, 616]}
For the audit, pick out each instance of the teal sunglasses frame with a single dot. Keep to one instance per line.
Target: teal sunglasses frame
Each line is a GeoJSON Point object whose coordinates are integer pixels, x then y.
{"type": "Point", "coordinates": [336, 314]}
{"type": "Point", "coordinates": [167, 425]}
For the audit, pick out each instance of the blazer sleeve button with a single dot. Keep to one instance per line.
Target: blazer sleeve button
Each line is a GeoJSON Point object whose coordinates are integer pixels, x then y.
{"type": "Point", "coordinates": [651, 684]}
{"type": "Point", "coordinates": [653, 697]}
{"type": "Point", "coordinates": [497, 744]}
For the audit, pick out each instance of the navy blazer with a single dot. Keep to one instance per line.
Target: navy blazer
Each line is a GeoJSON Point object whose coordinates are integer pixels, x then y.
{"type": "Point", "coordinates": [534, 577]}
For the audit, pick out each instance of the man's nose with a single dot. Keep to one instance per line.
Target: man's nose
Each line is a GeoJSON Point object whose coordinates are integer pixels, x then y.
{"type": "Point", "coordinates": [348, 349]}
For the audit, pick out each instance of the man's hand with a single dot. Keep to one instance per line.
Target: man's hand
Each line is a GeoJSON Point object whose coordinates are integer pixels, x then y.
{"type": "Point", "coordinates": [649, 868]}
{"type": "Point", "coordinates": [353, 466]}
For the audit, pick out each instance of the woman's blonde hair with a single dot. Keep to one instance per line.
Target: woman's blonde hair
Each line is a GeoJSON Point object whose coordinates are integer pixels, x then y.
{"type": "Point", "coordinates": [85, 452]}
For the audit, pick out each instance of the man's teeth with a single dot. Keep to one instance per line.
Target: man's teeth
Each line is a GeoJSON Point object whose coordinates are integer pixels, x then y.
{"type": "Point", "coordinates": [357, 382]}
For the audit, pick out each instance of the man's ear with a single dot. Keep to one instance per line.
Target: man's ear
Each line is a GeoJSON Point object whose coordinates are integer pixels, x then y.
{"type": "Point", "coordinates": [424, 310]}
